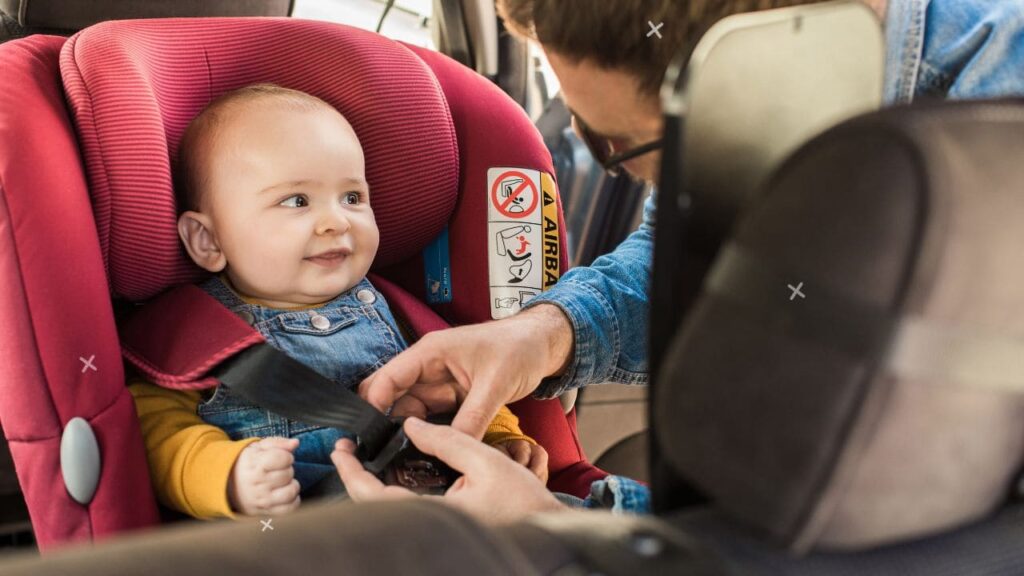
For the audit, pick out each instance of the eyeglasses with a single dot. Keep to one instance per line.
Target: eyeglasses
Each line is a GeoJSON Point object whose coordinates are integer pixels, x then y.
{"type": "Point", "coordinates": [601, 148]}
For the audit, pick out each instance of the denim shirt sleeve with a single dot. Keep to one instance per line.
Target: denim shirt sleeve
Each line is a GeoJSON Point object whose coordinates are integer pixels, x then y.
{"type": "Point", "coordinates": [620, 495]}
{"type": "Point", "coordinates": [607, 304]}
{"type": "Point", "coordinates": [972, 49]}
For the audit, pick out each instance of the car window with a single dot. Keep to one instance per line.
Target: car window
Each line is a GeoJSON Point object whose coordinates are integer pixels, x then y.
{"type": "Point", "coordinates": [407, 20]}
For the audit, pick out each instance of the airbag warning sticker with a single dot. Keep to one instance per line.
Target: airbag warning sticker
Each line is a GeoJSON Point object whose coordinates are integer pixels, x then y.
{"type": "Point", "coordinates": [522, 240]}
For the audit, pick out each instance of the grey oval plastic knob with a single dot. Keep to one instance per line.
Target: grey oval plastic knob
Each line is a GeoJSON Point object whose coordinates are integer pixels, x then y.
{"type": "Point", "coordinates": [80, 460]}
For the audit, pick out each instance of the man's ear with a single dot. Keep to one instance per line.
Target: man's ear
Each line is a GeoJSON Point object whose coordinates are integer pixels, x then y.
{"type": "Point", "coordinates": [196, 232]}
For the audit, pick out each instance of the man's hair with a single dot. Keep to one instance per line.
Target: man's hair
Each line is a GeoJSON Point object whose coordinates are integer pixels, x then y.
{"type": "Point", "coordinates": [190, 175]}
{"type": "Point", "coordinates": [616, 34]}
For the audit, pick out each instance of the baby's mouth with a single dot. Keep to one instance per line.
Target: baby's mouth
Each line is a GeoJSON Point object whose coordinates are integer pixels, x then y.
{"type": "Point", "coordinates": [329, 258]}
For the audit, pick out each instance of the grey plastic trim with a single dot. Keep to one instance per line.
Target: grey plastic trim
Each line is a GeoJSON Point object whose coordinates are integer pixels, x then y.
{"type": "Point", "coordinates": [80, 462]}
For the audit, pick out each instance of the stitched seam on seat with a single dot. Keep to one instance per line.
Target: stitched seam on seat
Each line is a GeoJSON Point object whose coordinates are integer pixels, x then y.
{"type": "Point", "coordinates": [169, 380]}
{"type": "Point", "coordinates": [24, 296]}
{"type": "Point", "coordinates": [102, 160]}
{"type": "Point", "coordinates": [209, 76]}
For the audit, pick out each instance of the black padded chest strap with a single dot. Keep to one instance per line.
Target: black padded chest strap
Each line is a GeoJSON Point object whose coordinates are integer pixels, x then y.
{"type": "Point", "coordinates": [277, 382]}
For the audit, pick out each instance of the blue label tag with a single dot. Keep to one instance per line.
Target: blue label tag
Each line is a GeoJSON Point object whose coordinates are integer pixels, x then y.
{"type": "Point", "coordinates": [438, 267]}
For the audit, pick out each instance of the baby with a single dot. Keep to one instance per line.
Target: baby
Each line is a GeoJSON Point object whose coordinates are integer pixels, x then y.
{"type": "Point", "coordinates": [278, 207]}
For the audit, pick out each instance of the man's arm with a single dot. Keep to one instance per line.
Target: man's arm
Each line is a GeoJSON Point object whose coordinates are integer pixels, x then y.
{"type": "Point", "coordinates": [591, 327]}
{"type": "Point", "coordinates": [607, 305]}
{"type": "Point", "coordinates": [972, 50]}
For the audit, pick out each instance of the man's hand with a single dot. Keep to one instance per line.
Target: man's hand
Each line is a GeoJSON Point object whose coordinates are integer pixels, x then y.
{"type": "Point", "coordinates": [532, 456]}
{"type": "Point", "coordinates": [493, 488]}
{"type": "Point", "coordinates": [262, 481]}
{"type": "Point", "coordinates": [481, 366]}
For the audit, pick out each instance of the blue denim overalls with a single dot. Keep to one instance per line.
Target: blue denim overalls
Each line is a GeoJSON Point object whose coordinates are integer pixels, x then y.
{"type": "Point", "coordinates": [345, 340]}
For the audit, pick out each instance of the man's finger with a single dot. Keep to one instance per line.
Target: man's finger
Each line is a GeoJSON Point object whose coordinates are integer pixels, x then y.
{"type": "Point", "coordinates": [345, 445]}
{"type": "Point", "coordinates": [454, 448]}
{"type": "Point", "coordinates": [409, 405]}
{"type": "Point", "coordinates": [478, 409]}
{"type": "Point", "coordinates": [392, 380]}
{"type": "Point", "coordinates": [360, 484]}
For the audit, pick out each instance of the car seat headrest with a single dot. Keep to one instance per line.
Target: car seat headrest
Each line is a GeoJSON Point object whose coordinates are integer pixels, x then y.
{"type": "Point", "coordinates": [853, 372]}
{"type": "Point", "coordinates": [78, 14]}
{"type": "Point", "coordinates": [133, 87]}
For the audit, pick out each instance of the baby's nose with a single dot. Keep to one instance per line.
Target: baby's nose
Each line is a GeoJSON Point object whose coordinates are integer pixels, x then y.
{"type": "Point", "coordinates": [333, 221]}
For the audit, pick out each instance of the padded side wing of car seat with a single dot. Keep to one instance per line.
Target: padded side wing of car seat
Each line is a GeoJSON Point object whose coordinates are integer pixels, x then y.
{"type": "Point", "coordinates": [494, 131]}
{"type": "Point", "coordinates": [57, 334]}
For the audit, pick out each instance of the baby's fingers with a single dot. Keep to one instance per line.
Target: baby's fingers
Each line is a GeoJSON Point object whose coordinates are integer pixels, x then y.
{"type": "Point", "coordinates": [278, 478]}
{"type": "Point", "coordinates": [539, 463]}
{"type": "Point", "coordinates": [285, 498]}
{"type": "Point", "coordinates": [519, 450]}
{"type": "Point", "coordinates": [272, 459]}
{"type": "Point", "coordinates": [279, 443]}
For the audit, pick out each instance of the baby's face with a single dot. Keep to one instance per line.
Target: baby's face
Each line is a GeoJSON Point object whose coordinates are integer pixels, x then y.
{"type": "Point", "coordinates": [289, 202]}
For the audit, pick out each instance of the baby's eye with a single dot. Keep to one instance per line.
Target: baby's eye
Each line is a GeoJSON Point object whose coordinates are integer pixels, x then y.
{"type": "Point", "coordinates": [352, 198]}
{"type": "Point", "coordinates": [297, 201]}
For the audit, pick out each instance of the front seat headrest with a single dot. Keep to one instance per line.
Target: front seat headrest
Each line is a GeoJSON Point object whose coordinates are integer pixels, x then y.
{"type": "Point", "coordinates": [853, 371]}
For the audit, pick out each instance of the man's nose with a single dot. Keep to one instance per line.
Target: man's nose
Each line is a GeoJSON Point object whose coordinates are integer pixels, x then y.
{"type": "Point", "coordinates": [332, 220]}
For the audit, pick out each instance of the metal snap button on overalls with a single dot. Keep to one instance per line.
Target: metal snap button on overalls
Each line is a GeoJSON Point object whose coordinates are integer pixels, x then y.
{"type": "Point", "coordinates": [320, 322]}
{"type": "Point", "coordinates": [366, 296]}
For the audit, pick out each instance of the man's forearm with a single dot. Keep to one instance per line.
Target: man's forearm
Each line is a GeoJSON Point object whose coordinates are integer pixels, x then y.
{"type": "Point", "coordinates": [551, 323]}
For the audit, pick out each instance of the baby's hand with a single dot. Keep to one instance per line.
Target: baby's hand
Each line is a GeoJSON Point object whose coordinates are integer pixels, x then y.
{"type": "Point", "coordinates": [530, 455]}
{"type": "Point", "coordinates": [262, 481]}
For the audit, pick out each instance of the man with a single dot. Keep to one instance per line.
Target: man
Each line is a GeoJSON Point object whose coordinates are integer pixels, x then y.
{"type": "Point", "coordinates": [586, 329]}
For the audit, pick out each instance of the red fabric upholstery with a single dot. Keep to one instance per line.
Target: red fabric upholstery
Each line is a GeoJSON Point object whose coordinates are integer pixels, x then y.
{"type": "Point", "coordinates": [430, 128]}
{"type": "Point", "coordinates": [492, 131]}
{"type": "Point", "coordinates": [133, 86]}
{"type": "Point", "coordinates": [184, 365]}
{"type": "Point", "coordinates": [55, 313]}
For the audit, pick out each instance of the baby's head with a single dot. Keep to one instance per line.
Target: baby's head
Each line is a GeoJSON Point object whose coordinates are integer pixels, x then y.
{"type": "Point", "coordinates": [275, 195]}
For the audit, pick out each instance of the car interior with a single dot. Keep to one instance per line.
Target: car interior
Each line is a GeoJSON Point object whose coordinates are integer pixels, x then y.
{"type": "Point", "coordinates": [836, 364]}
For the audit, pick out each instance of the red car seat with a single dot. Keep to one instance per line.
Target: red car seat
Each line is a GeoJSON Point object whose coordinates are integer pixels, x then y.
{"type": "Point", "coordinates": [87, 213]}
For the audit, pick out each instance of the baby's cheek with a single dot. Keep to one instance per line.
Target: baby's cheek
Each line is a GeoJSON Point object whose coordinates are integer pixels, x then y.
{"type": "Point", "coordinates": [267, 269]}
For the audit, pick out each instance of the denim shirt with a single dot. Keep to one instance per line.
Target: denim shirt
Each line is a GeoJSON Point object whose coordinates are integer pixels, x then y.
{"type": "Point", "coordinates": [345, 339]}
{"type": "Point", "coordinates": [965, 49]}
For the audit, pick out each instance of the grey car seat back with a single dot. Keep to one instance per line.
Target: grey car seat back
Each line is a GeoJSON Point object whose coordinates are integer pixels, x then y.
{"type": "Point", "coordinates": [755, 87]}
{"type": "Point", "coordinates": [853, 372]}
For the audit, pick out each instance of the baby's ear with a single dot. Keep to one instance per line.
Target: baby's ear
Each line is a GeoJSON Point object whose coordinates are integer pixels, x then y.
{"type": "Point", "coordinates": [197, 234]}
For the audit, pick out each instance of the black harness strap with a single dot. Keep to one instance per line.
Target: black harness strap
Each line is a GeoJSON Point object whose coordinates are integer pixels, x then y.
{"type": "Point", "coordinates": [277, 382]}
